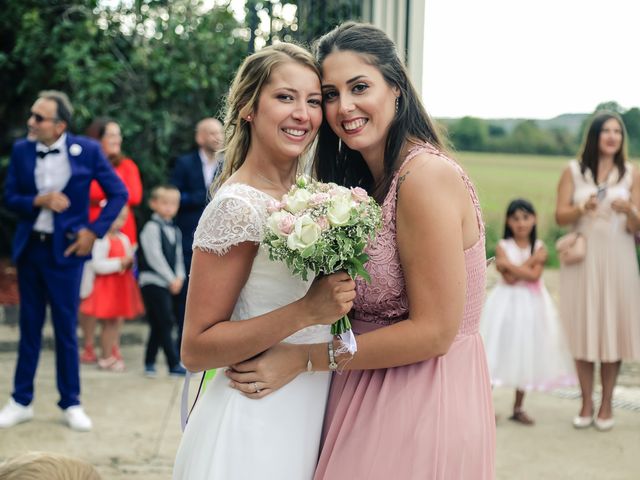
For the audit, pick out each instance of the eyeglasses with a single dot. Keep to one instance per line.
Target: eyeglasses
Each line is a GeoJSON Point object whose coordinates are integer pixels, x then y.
{"type": "Point", "coordinates": [39, 118]}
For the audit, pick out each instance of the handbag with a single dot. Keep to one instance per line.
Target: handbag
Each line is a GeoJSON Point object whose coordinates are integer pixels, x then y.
{"type": "Point", "coordinates": [571, 248]}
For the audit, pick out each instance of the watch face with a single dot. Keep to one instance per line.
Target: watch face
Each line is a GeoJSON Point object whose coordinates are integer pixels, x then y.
{"type": "Point", "coordinates": [333, 366]}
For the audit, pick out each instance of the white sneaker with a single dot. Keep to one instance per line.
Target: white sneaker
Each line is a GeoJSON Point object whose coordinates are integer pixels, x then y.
{"type": "Point", "coordinates": [76, 419]}
{"type": "Point", "coordinates": [14, 413]}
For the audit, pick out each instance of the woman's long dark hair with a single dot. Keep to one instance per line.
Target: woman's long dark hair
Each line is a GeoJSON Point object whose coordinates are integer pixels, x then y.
{"type": "Point", "coordinates": [345, 166]}
{"type": "Point", "coordinates": [591, 151]}
{"type": "Point", "coordinates": [96, 130]}
{"type": "Point", "coordinates": [525, 206]}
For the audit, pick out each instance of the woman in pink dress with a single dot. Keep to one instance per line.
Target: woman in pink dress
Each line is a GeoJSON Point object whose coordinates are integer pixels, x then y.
{"type": "Point", "coordinates": [415, 401]}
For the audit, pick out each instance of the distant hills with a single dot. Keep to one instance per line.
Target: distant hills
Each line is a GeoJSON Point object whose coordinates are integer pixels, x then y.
{"type": "Point", "coordinates": [572, 122]}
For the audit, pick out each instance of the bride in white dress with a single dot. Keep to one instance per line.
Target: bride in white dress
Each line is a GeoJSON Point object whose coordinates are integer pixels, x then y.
{"type": "Point", "coordinates": [274, 112]}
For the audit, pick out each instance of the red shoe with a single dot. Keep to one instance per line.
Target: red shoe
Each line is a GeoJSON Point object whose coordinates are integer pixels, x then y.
{"type": "Point", "coordinates": [115, 352]}
{"type": "Point", "coordinates": [88, 355]}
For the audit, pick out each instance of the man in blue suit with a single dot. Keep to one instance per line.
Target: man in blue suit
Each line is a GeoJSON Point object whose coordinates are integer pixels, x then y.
{"type": "Point", "coordinates": [193, 175]}
{"type": "Point", "coordinates": [47, 186]}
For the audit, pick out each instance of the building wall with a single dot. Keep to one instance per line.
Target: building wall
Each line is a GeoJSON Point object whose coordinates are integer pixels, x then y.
{"type": "Point", "coordinates": [403, 21]}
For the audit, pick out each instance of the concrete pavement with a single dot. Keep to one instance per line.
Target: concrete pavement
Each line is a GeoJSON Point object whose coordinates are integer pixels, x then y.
{"type": "Point", "coordinates": [136, 425]}
{"type": "Point", "coordinates": [136, 421]}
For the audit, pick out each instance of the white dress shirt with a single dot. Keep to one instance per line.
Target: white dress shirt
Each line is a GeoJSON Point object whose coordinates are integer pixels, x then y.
{"type": "Point", "coordinates": [208, 167]}
{"type": "Point", "coordinates": [52, 173]}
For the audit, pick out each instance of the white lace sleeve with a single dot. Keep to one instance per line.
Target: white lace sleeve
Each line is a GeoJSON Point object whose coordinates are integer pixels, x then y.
{"type": "Point", "coordinates": [227, 221]}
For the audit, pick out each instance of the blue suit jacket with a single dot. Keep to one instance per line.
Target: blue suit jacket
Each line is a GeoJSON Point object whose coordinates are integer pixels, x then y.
{"type": "Point", "coordinates": [88, 163]}
{"type": "Point", "coordinates": [187, 176]}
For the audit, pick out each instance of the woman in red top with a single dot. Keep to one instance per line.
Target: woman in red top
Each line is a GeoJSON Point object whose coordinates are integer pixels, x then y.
{"type": "Point", "coordinates": [108, 132]}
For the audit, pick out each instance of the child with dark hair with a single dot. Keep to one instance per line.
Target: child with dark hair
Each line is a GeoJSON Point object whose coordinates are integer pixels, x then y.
{"type": "Point", "coordinates": [519, 325]}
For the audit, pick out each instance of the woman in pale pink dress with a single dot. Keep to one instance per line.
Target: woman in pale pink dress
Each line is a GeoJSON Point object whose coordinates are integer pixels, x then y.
{"type": "Point", "coordinates": [414, 402]}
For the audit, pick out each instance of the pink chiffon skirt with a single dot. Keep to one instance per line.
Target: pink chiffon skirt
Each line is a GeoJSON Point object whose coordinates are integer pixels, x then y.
{"type": "Point", "coordinates": [429, 420]}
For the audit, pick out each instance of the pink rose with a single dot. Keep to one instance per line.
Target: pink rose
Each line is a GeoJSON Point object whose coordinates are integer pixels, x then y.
{"type": "Point", "coordinates": [274, 206]}
{"type": "Point", "coordinates": [360, 195]}
{"type": "Point", "coordinates": [286, 223]}
{"type": "Point", "coordinates": [323, 222]}
{"type": "Point", "coordinates": [319, 199]}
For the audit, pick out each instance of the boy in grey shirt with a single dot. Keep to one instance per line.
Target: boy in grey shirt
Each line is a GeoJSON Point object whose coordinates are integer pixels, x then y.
{"type": "Point", "coordinates": [161, 266]}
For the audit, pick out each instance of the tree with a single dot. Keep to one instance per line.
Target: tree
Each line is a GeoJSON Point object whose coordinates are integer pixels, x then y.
{"type": "Point", "coordinates": [470, 133]}
{"type": "Point", "coordinates": [156, 67]}
{"type": "Point", "coordinates": [631, 120]}
{"type": "Point", "coordinates": [611, 106]}
{"type": "Point", "coordinates": [301, 21]}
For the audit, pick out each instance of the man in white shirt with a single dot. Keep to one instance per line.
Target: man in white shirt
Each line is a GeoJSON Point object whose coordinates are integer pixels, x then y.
{"type": "Point", "coordinates": [47, 186]}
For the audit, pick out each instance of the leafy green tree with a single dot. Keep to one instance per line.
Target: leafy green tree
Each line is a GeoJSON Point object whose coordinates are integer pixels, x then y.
{"type": "Point", "coordinates": [631, 120]}
{"type": "Point", "coordinates": [469, 133]}
{"type": "Point", "coordinates": [156, 67]}
{"type": "Point", "coordinates": [528, 137]}
{"type": "Point", "coordinates": [611, 106]}
{"type": "Point", "coordinates": [311, 19]}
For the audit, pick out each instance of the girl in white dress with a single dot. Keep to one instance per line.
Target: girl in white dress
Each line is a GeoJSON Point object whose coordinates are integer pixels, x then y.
{"type": "Point", "coordinates": [240, 303]}
{"type": "Point", "coordinates": [524, 344]}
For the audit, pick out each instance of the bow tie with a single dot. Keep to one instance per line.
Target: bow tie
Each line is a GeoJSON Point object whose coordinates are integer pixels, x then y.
{"type": "Point", "coordinates": [42, 153]}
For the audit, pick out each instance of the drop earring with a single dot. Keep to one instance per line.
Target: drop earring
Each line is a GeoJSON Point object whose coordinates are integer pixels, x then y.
{"type": "Point", "coordinates": [339, 145]}
{"type": "Point", "coordinates": [397, 103]}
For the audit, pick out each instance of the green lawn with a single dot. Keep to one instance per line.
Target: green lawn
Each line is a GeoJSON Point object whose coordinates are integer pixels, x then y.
{"type": "Point", "coordinates": [501, 177]}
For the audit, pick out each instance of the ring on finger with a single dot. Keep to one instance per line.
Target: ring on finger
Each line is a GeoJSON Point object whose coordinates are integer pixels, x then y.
{"type": "Point", "coordinates": [255, 386]}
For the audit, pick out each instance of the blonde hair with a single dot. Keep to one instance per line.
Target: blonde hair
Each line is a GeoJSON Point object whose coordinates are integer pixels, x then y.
{"type": "Point", "coordinates": [243, 97]}
{"type": "Point", "coordinates": [52, 466]}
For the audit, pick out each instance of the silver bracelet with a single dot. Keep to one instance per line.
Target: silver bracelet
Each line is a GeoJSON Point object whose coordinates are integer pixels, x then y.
{"type": "Point", "coordinates": [333, 366]}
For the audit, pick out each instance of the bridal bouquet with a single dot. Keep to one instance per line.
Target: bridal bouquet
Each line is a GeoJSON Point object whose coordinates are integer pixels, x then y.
{"type": "Point", "coordinates": [323, 227]}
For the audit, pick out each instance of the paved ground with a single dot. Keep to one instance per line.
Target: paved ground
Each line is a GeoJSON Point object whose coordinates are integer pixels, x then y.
{"type": "Point", "coordinates": [136, 420]}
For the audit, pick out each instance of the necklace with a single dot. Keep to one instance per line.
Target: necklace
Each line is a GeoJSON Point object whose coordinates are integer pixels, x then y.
{"type": "Point", "coordinates": [278, 186]}
{"type": "Point", "coordinates": [605, 176]}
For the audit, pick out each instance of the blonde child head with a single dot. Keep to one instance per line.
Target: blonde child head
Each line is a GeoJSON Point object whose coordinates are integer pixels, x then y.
{"type": "Point", "coordinates": [165, 201]}
{"type": "Point", "coordinates": [50, 466]}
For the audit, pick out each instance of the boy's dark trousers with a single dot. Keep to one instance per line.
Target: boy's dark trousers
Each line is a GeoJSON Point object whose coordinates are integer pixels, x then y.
{"type": "Point", "coordinates": [158, 303]}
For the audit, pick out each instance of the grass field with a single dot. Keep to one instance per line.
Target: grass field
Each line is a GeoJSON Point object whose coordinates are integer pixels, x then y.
{"type": "Point", "coordinates": [501, 177]}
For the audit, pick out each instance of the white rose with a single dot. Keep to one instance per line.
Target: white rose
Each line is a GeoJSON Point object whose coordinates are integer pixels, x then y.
{"type": "Point", "coordinates": [339, 211]}
{"type": "Point", "coordinates": [305, 233]}
{"type": "Point", "coordinates": [281, 223]}
{"type": "Point", "coordinates": [298, 201]}
{"type": "Point", "coordinates": [338, 191]}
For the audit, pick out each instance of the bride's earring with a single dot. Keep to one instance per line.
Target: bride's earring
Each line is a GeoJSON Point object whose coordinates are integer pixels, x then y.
{"type": "Point", "coordinates": [397, 103]}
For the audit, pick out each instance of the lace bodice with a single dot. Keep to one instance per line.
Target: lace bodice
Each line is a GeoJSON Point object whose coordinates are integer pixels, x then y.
{"type": "Point", "coordinates": [604, 220]}
{"type": "Point", "coordinates": [384, 301]}
{"type": "Point", "coordinates": [236, 214]}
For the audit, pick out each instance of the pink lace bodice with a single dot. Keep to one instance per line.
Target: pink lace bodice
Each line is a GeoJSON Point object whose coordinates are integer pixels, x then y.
{"type": "Point", "coordinates": [384, 301]}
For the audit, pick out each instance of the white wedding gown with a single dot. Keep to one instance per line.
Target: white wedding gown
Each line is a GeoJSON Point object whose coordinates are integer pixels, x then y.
{"type": "Point", "coordinates": [229, 436]}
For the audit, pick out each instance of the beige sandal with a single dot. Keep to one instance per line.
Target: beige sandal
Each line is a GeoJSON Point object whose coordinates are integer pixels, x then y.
{"type": "Point", "coordinates": [111, 363]}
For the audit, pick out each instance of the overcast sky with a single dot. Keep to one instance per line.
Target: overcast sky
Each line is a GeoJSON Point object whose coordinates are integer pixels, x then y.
{"type": "Point", "coordinates": [534, 59]}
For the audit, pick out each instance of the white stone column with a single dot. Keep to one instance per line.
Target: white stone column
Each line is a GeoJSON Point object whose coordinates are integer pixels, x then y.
{"type": "Point", "coordinates": [403, 21]}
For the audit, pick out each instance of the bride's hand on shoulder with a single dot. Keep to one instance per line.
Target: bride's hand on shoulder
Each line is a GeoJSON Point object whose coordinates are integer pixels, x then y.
{"type": "Point", "coordinates": [329, 298]}
{"type": "Point", "coordinates": [265, 373]}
